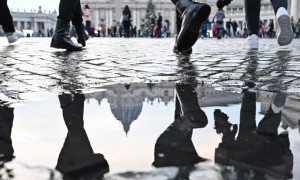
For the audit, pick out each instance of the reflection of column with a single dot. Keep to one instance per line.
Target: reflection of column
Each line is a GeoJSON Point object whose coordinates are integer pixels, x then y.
{"type": "Point", "coordinates": [294, 8]}
{"type": "Point", "coordinates": [96, 14]}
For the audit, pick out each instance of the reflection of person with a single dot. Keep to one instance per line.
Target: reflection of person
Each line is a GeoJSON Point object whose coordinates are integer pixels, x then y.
{"type": "Point", "coordinates": [258, 148]}
{"type": "Point", "coordinates": [69, 10]}
{"type": "Point", "coordinates": [6, 123]}
{"type": "Point", "coordinates": [77, 159]}
{"type": "Point", "coordinates": [6, 21]}
{"type": "Point", "coordinates": [174, 147]}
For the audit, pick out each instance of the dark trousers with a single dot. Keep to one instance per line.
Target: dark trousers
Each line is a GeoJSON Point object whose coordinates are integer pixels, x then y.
{"type": "Point", "coordinates": [6, 19]}
{"type": "Point", "coordinates": [70, 10]}
{"type": "Point", "coordinates": [252, 9]}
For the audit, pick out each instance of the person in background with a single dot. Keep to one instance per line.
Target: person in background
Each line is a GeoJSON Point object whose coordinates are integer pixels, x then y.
{"type": "Point", "coordinates": [69, 10]}
{"type": "Point", "coordinates": [228, 28]}
{"type": "Point", "coordinates": [6, 21]}
{"type": "Point", "coordinates": [219, 17]}
{"type": "Point", "coordinates": [126, 20]}
{"type": "Point", "coordinates": [234, 27]}
{"type": "Point", "coordinates": [204, 28]}
{"type": "Point", "coordinates": [88, 18]}
{"type": "Point", "coordinates": [298, 29]}
{"type": "Point", "coordinates": [159, 24]}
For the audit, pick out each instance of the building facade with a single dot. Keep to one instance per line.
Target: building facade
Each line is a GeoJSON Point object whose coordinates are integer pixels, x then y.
{"type": "Point", "coordinates": [35, 23]}
{"type": "Point", "coordinates": [108, 12]}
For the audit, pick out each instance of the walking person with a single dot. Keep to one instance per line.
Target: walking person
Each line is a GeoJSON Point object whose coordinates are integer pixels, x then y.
{"type": "Point", "coordinates": [6, 21]}
{"type": "Point", "coordinates": [88, 18]}
{"type": "Point", "coordinates": [126, 20]}
{"type": "Point", "coordinates": [220, 15]}
{"type": "Point", "coordinates": [228, 28]}
{"type": "Point", "coordinates": [234, 27]}
{"type": "Point", "coordinates": [297, 28]}
{"type": "Point", "coordinates": [285, 32]}
{"type": "Point", "coordinates": [69, 10]}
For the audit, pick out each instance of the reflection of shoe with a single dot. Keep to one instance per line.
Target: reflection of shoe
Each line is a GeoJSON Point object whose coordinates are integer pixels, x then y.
{"type": "Point", "coordinates": [279, 99]}
{"type": "Point", "coordinates": [13, 37]}
{"type": "Point", "coordinates": [252, 41]}
{"type": "Point", "coordinates": [285, 32]}
{"type": "Point", "coordinates": [196, 118]}
{"type": "Point", "coordinates": [193, 14]}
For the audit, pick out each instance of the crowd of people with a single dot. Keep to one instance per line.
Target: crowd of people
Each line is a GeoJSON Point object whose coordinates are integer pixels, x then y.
{"type": "Point", "coordinates": [191, 18]}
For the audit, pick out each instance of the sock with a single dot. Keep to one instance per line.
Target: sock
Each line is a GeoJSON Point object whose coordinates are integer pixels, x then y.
{"type": "Point", "coordinates": [281, 11]}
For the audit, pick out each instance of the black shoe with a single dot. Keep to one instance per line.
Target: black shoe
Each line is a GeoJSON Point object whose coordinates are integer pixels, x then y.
{"type": "Point", "coordinates": [82, 35]}
{"type": "Point", "coordinates": [61, 38]}
{"type": "Point", "coordinates": [193, 14]}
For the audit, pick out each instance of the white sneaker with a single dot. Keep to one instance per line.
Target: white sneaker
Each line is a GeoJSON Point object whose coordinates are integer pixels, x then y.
{"type": "Point", "coordinates": [285, 33]}
{"type": "Point", "coordinates": [13, 37]}
{"type": "Point", "coordinates": [252, 41]}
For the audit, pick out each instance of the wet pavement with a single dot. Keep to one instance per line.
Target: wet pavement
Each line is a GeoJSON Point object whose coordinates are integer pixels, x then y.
{"type": "Point", "coordinates": [132, 109]}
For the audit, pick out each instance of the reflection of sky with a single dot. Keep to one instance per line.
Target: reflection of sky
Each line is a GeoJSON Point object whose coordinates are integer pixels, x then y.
{"type": "Point", "coordinates": [38, 137]}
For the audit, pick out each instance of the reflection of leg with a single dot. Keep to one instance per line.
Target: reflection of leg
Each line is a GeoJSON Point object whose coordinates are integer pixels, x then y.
{"type": "Point", "coordinates": [6, 123]}
{"type": "Point", "coordinates": [190, 109]}
{"type": "Point", "coordinates": [193, 15]}
{"type": "Point", "coordinates": [270, 123]}
{"type": "Point", "coordinates": [285, 33]}
{"type": "Point", "coordinates": [248, 111]}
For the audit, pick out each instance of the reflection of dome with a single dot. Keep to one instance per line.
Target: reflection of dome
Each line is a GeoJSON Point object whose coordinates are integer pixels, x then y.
{"type": "Point", "coordinates": [126, 114]}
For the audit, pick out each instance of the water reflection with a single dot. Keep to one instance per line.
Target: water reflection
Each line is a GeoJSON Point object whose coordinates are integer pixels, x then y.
{"type": "Point", "coordinates": [257, 151]}
{"type": "Point", "coordinates": [77, 159]}
{"type": "Point", "coordinates": [174, 147]}
{"type": "Point", "coordinates": [6, 148]}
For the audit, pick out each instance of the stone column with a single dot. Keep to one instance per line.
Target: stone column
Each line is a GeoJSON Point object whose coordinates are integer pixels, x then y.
{"type": "Point", "coordinates": [107, 18]}
{"type": "Point", "coordinates": [294, 9]}
{"type": "Point", "coordinates": [96, 15]}
{"type": "Point", "coordinates": [111, 18]}
{"type": "Point", "coordinates": [173, 22]}
{"type": "Point", "coordinates": [134, 18]}
{"type": "Point", "coordinates": [138, 26]}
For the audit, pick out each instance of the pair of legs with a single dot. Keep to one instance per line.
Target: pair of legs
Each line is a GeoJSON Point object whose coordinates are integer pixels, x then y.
{"type": "Point", "coordinates": [69, 10]}
{"type": "Point", "coordinates": [252, 10]}
{"type": "Point", "coordinates": [6, 21]}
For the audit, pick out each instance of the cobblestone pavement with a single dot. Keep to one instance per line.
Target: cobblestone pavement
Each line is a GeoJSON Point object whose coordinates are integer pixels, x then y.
{"type": "Point", "coordinates": [31, 65]}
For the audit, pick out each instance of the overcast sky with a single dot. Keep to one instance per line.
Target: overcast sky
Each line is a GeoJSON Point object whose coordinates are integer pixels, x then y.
{"type": "Point", "coordinates": [28, 5]}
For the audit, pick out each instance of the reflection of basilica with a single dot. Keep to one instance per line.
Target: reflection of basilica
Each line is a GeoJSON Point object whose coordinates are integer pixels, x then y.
{"type": "Point", "coordinates": [126, 101]}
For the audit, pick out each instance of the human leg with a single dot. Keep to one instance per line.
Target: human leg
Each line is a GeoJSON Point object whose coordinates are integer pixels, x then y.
{"type": "Point", "coordinates": [61, 38]}
{"type": "Point", "coordinates": [77, 22]}
{"type": "Point", "coordinates": [6, 21]}
{"type": "Point", "coordinates": [193, 14]}
{"type": "Point", "coordinates": [285, 32]}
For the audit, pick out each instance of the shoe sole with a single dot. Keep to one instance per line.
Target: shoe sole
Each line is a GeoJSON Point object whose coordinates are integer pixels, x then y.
{"type": "Point", "coordinates": [286, 34]}
{"type": "Point", "coordinates": [186, 39]}
{"type": "Point", "coordinates": [59, 45]}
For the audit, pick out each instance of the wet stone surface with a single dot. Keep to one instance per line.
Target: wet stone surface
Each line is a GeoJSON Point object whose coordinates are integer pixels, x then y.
{"type": "Point", "coordinates": [132, 109]}
{"type": "Point", "coordinates": [31, 65]}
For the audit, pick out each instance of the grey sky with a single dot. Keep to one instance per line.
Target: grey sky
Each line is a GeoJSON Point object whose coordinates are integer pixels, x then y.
{"type": "Point", "coordinates": [28, 5]}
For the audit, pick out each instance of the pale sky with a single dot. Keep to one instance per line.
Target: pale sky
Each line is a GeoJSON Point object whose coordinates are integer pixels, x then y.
{"type": "Point", "coordinates": [28, 5]}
